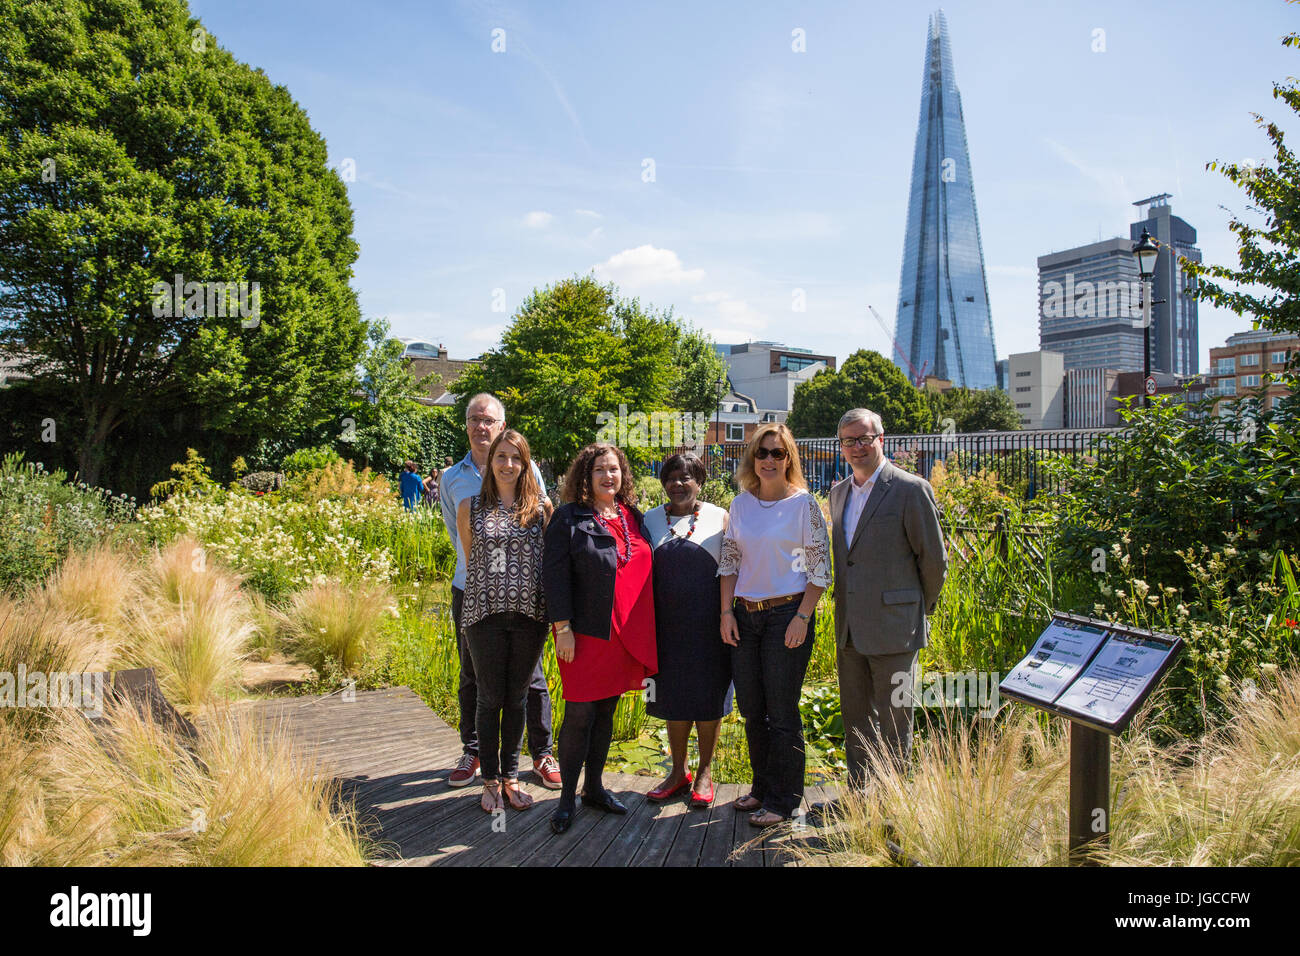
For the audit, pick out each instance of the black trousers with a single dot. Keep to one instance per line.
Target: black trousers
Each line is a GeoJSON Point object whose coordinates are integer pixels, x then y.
{"type": "Point", "coordinates": [769, 679]}
{"type": "Point", "coordinates": [505, 648]}
{"type": "Point", "coordinates": [538, 708]}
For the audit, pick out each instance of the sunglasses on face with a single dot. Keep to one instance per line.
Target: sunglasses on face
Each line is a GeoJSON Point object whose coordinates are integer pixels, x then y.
{"type": "Point", "coordinates": [778, 454]}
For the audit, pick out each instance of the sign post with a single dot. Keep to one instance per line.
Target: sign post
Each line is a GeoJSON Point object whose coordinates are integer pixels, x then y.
{"type": "Point", "coordinates": [1096, 674]}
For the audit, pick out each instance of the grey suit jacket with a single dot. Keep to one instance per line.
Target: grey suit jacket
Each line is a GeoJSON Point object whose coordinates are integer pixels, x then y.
{"type": "Point", "coordinates": [887, 579]}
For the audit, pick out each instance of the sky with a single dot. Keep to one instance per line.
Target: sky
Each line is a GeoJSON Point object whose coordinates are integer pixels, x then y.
{"type": "Point", "coordinates": [694, 156]}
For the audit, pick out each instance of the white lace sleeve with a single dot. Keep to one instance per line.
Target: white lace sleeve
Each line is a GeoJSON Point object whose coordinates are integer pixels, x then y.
{"type": "Point", "coordinates": [817, 546]}
{"type": "Point", "coordinates": [729, 561]}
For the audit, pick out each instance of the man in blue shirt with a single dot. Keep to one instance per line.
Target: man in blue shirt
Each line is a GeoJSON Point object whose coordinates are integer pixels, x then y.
{"type": "Point", "coordinates": [412, 486]}
{"type": "Point", "coordinates": [485, 418]}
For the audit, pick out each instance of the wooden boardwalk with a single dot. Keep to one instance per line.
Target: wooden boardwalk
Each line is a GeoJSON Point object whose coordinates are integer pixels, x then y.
{"type": "Point", "coordinates": [393, 755]}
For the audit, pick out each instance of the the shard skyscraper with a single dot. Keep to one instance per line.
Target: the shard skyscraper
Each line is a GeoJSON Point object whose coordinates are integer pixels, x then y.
{"type": "Point", "coordinates": [944, 326]}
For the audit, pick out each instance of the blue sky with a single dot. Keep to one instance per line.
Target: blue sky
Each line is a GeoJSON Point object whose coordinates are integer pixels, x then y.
{"type": "Point", "coordinates": [774, 170]}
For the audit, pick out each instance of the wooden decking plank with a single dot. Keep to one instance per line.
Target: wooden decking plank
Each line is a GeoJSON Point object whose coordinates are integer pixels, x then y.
{"type": "Point", "coordinates": [668, 821]}
{"type": "Point", "coordinates": [640, 817]}
{"type": "Point", "coordinates": [719, 838]}
{"type": "Point", "coordinates": [504, 847]}
{"type": "Point", "coordinates": [608, 825]}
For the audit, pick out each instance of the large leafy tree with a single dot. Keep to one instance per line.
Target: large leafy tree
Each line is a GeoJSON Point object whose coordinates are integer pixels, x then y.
{"type": "Point", "coordinates": [1266, 283]}
{"type": "Point", "coordinates": [575, 350]}
{"type": "Point", "coordinates": [973, 410]}
{"type": "Point", "coordinates": [865, 380]}
{"type": "Point", "coordinates": [700, 368]}
{"type": "Point", "coordinates": [134, 149]}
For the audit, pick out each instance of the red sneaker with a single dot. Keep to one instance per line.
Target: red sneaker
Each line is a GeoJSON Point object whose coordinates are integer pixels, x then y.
{"type": "Point", "coordinates": [465, 771]}
{"type": "Point", "coordinates": [548, 771]}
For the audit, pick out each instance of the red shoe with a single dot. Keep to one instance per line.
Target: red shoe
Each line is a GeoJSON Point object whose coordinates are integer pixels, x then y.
{"type": "Point", "coordinates": [547, 771]}
{"type": "Point", "coordinates": [463, 775]}
{"type": "Point", "coordinates": [660, 794]}
{"type": "Point", "coordinates": [702, 801]}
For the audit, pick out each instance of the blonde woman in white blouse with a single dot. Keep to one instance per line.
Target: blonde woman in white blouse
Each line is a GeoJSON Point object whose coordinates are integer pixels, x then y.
{"type": "Point", "coordinates": [775, 564]}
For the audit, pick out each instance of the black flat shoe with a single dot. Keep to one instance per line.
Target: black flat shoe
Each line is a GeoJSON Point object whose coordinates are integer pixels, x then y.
{"type": "Point", "coordinates": [606, 801]}
{"type": "Point", "coordinates": [561, 820]}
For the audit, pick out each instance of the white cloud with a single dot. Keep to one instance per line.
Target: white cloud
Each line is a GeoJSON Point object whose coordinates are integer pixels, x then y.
{"type": "Point", "coordinates": [538, 219]}
{"type": "Point", "coordinates": [588, 212]}
{"type": "Point", "coordinates": [646, 265]}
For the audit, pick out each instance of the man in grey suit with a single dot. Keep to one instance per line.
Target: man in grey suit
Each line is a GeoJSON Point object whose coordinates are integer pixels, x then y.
{"type": "Point", "coordinates": [890, 563]}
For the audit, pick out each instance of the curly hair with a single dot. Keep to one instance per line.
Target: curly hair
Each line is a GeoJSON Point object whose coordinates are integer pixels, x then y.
{"type": "Point", "coordinates": [747, 478]}
{"type": "Point", "coordinates": [577, 480]}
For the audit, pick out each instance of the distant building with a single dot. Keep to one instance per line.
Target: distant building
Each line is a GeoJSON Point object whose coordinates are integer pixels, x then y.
{"type": "Point", "coordinates": [1090, 398]}
{"type": "Point", "coordinates": [944, 326]}
{"type": "Point", "coordinates": [1240, 366]}
{"type": "Point", "coordinates": [769, 372]}
{"type": "Point", "coordinates": [1088, 306]}
{"type": "Point", "coordinates": [1175, 320]}
{"type": "Point", "coordinates": [426, 358]}
{"type": "Point", "coordinates": [1037, 382]}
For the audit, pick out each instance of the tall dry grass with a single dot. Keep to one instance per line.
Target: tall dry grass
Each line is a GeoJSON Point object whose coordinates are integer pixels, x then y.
{"type": "Point", "coordinates": [94, 587]}
{"type": "Point", "coordinates": [192, 625]}
{"type": "Point", "coordinates": [1231, 799]}
{"type": "Point", "coordinates": [976, 796]}
{"type": "Point", "coordinates": [999, 796]}
{"type": "Point", "coordinates": [127, 793]}
{"type": "Point", "coordinates": [335, 624]}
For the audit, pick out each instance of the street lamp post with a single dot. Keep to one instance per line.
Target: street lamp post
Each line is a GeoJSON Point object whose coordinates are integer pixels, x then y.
{"type": "Point", "coordinates": [1146, 252]}
{"type": "Point", "coordinates": [720, 386]}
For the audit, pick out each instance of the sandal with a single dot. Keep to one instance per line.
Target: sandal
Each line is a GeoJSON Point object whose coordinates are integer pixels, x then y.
{"type": "Point", "coordinates": [765, 818]}
{"type": "Point", "coordinates": [491, 800]}
{"type": "Point", "coordinates": [747, 803]}
{"type": "Point", "coordinates": [519, 800]}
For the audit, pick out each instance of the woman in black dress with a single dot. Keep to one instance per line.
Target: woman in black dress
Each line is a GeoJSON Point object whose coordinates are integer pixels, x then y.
{"type": "Point", "coordinates": [693, 685]}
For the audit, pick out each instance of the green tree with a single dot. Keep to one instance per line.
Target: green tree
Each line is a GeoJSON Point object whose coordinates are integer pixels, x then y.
{"type": "Point", "coordinates": [700, 366]}
{"type": "Point", "coordinates": [575, 350]}
{"type": "Point", "coordinates": [134, 149]}
{"type": "Point", "coordinates": [865, 380]}
{"type": "Point", "coordinates": [973, 410]}
{"type": "Point", "coordinates": [1268, 252]}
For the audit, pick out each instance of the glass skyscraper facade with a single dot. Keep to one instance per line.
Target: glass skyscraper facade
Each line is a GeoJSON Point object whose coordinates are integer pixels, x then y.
{"type": "Point", "coordinates": [944, 325]}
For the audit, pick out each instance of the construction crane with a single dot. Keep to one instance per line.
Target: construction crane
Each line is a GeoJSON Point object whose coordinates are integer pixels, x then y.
{"type": "Point", "coordinates": [918, 378]}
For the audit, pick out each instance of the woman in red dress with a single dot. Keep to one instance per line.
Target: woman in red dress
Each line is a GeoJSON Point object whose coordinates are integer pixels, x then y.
{"type": "Point", "coordinates": [600, 596]}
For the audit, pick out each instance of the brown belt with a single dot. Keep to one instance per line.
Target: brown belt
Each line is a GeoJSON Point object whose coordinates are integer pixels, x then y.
{"type": "Point", "coordinates": [766, 603]}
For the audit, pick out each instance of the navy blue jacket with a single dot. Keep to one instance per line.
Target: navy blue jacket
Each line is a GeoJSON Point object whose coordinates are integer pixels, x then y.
{"type": "Point", "coordinates": [578, 567]}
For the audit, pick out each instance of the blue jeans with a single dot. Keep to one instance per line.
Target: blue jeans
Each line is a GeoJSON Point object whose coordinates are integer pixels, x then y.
{"type": "Point", "coordinates": [769, 680]}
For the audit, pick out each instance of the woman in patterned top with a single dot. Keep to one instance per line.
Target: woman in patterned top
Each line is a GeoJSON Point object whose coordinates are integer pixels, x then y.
{"type": "Point", "coordinates": [776, 561]}
{"type": "Point", "coordinates": [504, 614]}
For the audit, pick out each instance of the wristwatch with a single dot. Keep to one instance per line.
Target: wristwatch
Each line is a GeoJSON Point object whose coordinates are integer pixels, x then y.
{"type": "Point", "coordinates": [804, 617]}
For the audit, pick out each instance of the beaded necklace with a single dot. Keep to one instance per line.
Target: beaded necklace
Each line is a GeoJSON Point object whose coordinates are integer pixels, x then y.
{"type": "Point", "coordinates": [626, 556]}
{"type": "Point", "coordinates": [695, 514]}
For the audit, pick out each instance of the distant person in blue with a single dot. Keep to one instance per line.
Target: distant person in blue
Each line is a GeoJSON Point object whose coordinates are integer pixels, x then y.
{"type": "Point", "coordinates": [412, 486]}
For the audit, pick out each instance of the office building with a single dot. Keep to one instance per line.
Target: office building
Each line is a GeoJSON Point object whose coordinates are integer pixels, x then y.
{"type": "Point", "coordinates": [769, 372]}
{"type": "Point", "coordinates": [1089, 306]}
{"type": "Point", "coordinates": [944, 326]}
{"type": "Point", "coordinates": [1037, 386]}
{"type": "Point", "coordinates": [1175, 325]}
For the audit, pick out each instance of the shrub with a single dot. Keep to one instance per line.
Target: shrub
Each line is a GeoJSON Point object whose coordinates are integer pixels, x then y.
{"type": "Point", "coordinates": [339, 480]}
{"type": "Point", "coordinates": [308, 459]}
{"type": "Point", "coordinates": [42, 515]}
{"type": "Point", "coordinates": [193, 477]}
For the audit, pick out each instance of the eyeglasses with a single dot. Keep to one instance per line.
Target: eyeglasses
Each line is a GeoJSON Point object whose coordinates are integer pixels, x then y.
{"type": "Point", "coordinates": [779, 454]}
{"type": "Point", "coordinates": [482, 422]}
{"type": "Point", "coordinates": [860, 440]}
